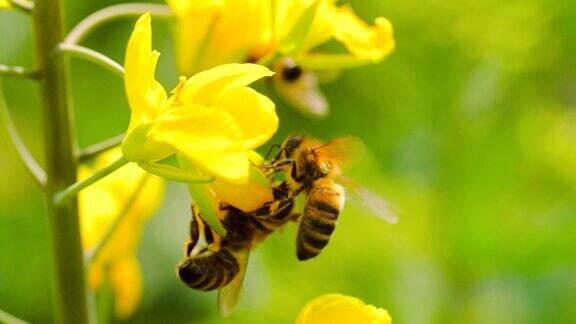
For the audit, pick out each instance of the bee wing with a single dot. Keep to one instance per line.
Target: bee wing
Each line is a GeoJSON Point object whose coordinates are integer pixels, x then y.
{"type": "Point", "coordinates": [342, 152]}
{"type": "Point", "coordinates": [304, 94]}
{"type": "Point", "coordinates": [377, 205]}
{"type": "Point", "coordinates": [229, 295]}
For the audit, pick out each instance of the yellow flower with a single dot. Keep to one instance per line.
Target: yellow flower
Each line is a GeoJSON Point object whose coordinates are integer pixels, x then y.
{"type": "Point", "coordinates": [213, 32]}
{"type": "Point", "coordinates": [134, 195]}
{"type": "Point", "coordinates": [273, 32]}
{"type": "Point", "coordinates": [5, 4]}
{"type": "Point", "coordinates": [246, 196]}
{"type": "Point", "coordinates": [212, 119]}
{"type": "Point", "coordinates": [340, 309]}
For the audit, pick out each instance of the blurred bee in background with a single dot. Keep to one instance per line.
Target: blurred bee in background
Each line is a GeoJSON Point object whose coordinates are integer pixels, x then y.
{"type": "Point", "coordinates": [316, 169]}
{"type": "Point", "coordinates": [299, 87]}
{"type": "Point", "coordinates": [221, 262]}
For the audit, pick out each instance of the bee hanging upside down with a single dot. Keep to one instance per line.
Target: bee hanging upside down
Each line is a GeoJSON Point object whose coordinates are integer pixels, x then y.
{"type": "Point", "coordinates": [221, 264]}
{"type": "Point", "coordinates": [316, 169]}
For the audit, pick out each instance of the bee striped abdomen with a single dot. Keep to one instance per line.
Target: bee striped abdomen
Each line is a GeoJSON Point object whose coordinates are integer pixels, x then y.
{"type": "Point", "coordinates": [209, 272]}
{"type": "Point", "coordinates": [321, 213]}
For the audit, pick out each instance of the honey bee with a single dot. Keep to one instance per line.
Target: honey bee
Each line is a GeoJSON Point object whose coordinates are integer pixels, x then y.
{"type": "Point", "coordinates": [299, 87]}
{"type": "Point", "coordinates": [310, 167]}
{"type": "Point", "coordinates": [221, 263]}
{"type": "Point", "coordinates": [316, 169]}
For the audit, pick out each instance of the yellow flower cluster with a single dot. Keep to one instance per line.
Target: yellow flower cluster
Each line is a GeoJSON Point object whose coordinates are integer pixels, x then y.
{"type": "Point", "coordinates": [133, 195]}
{"type": "Point", "coordinates": [213, 32]}
{"type": "Point", "coordinates": [340, 309]}
{"type": "Point", "coordinates": [212, 120]}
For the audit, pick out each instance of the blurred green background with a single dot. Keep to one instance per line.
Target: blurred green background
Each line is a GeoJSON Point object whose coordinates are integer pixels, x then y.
{"type": "Point", "coordinates": [471, 128]}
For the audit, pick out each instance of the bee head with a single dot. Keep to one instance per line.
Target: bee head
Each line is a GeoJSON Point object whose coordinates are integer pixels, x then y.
{"type": "Point", "coordinates": [291, 144]}
{"type": "Point", "coordinates": [288, 70]}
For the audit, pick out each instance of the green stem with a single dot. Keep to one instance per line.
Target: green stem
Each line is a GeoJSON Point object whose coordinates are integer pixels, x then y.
{"type": "Point", "coordinates": [69, 283]}
{"type": "Point", "coordinates": [175, 174]}
{"type": "Point", "coordinates": [92, 56]}
{"type": "Point", "coordinates": [32, 166]}
{"type": "Point", "coordinates": [92, 151]}
{"type": "Point", "coordinates": [93, 254]}
{"type": "Point", "coordinates": [70, 192]}
{"type": "Point", "coordinates": [86, 26]}
{"type": "Point", "coordinates": [18, 71]}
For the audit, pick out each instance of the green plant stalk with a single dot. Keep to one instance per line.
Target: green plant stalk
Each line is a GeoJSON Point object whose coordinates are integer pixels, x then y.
{"type": "Point", "coordinates": [90, 152]}
{"type": "Point", "coordinates": [69, 284]}
{"type": "Point", "coordinates": [72, 191]}
{"type": "Point", "coordinates": [92, 56]}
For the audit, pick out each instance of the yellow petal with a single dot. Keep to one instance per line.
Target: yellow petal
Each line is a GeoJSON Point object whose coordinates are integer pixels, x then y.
{"type": "Point", "coordinates": [322, 28]}
{"type": "Point", "coordinates": [365, 41]}
{"type": "Point", "coordinates": [195, 19]}
{"type": "Point", "coordinates": [145, 95]}
{"type": "Point", "coordinates": [95, 276]}
{"type": "Point", "coordinates": [98, 206]}
{"type": "Point", "coordinates": [126, 281]}
{"type": "Point", "coordinates": [4, 4]}
{"type": "Point", "coordinates": [205, 87]}
{"type": "Point", "coordinates": [340, 309]}
{"type": "Point", "coordinates": [208, 138]}
{"type": "Point", "coordinates": [253, 112]}
{"type": "Point", "coordinates": [237, 30]}
{"type": "Point", "coordinates": [248, 196]}
{"type": "Point", "coordinates": [181, 8]}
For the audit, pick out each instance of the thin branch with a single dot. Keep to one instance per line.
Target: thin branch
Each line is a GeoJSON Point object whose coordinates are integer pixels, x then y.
{"type": "Point", "coordinates": [92, 151]}
{"type": "Point", "coordinates": [19, 71]}
{"type": "Point", "coordinates": [23, 5]}
{"type": "Point", "coordinates": [9, 318]}
{"type": "Point", "coordinates": [74, 189]}
{"type": "Point", "coordinates": [86, 26]}
{"type": "Point", "coordinates": [32, 166]}
{"type": "Point", "coordinates": [92, 254]}
{"type": "Point", "coordinates": [92, 56]}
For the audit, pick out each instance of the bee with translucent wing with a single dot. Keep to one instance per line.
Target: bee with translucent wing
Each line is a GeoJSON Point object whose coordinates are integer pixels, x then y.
{"type": "Point", "coordinates": [316, 169]}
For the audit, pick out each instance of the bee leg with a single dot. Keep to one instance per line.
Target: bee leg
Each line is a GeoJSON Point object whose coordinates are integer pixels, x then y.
{"type": "Point", "coordinates": [277, 210]}
{"type": "Point", "coordinates": [293, 170]}
{"type": "Point", "coordinates": [194, 231]}
{"type": "Point", "coordinates": [278, 165]}
{"type": "Point", "coordinates": [295, 217]}
{"type": "Point", "coordinates": [212, 238]}
{"type": "Point", "coordinates": [296, 192]}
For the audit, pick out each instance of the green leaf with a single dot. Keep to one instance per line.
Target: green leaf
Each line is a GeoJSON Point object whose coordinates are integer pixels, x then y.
{"type": "Point", "coordinates": [203, 198]}
{"type": "Point", "coordinates": [295, 40]}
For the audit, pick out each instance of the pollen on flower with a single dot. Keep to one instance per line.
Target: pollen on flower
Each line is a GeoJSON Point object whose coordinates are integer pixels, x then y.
{"type": "Point", "coordinates": [177, 92]}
